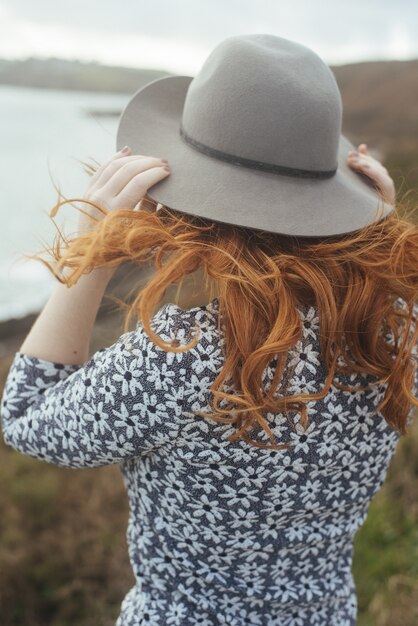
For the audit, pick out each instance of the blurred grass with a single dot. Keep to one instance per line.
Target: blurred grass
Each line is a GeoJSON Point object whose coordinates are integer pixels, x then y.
{"type": "Point", "coordinates": [64, 559]}
{"type": "Point", "coordinates": [385, 562]}
{"type": "Point", "coordinates": [63, 553]}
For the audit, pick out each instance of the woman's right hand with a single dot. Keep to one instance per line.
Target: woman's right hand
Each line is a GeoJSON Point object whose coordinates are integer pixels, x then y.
{"type": "Point", "coordinates": [360, 161]}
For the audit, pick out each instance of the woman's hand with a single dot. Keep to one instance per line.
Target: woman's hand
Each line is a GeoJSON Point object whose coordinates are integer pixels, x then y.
{"type": "Point", "coordinates": [121, 183]}
{"type": "Point", "coordinates": [362, 162]}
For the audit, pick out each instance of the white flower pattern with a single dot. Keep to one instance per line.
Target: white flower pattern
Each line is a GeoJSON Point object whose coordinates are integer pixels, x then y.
{"type": "Point", "coordinates": [219, 532]}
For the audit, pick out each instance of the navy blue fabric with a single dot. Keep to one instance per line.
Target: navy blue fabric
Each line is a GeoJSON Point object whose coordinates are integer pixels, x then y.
{"type": "Point", "coordinates": [218, 532]}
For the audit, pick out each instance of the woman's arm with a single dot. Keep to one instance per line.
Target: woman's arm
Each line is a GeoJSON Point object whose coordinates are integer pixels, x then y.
{"type": "Point", "coordinates": [62, 331]}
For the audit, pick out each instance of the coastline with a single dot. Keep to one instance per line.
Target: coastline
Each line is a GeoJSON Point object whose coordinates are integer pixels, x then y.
{"type": "Point", "coordinates": [128, 279]}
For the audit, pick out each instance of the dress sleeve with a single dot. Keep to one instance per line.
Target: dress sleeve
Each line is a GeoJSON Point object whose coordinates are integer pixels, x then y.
{"type": "Point", "coordinates": [124, 402]}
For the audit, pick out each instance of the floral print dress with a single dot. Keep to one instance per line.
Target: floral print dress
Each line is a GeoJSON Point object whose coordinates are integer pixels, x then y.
{"type": "Point", "coordinates": [219, 532]}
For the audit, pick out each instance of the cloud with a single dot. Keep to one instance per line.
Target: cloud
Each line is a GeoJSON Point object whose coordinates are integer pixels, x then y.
{"type": "Point", "coordinates": [177, 35]}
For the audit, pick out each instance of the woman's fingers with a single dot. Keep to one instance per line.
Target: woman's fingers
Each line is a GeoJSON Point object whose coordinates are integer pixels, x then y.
{"type": "Point", "coordinates": [111, 167]}
{"type": "Point", "coordinates": [118, 155]}
{"type": "Point", "coordinates": [360, 160]}
{"type": "Point", "coordinates": [125, 172]}
{"type": "Point", "coordinates": [123, 181]}
{"type": "Point", "coordinates": [138, 186]}
{"type": "Point", "coordinates": [364, 163]}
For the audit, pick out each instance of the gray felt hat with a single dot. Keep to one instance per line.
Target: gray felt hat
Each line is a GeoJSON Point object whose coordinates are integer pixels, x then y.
{"type": "Point", "coordinates": [254, 139]}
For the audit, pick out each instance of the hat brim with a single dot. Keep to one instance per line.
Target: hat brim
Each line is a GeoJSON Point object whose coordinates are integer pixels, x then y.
{"type": "Point", "coordinates": [204, 186]}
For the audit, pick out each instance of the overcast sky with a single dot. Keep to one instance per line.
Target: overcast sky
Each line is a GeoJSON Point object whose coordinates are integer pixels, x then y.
{"type": "Point", "coordinates": [177, 35]}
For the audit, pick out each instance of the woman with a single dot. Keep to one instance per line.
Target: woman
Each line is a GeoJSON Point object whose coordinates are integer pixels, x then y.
{"type": "Point", "coordinates": [252, 431]}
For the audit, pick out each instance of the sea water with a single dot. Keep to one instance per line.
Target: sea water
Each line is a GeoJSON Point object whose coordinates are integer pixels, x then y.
{"type": "Point", "coordinates": [43, 134]}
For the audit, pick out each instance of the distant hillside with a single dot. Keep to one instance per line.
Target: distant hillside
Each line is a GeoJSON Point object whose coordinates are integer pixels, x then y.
{"type": "Point", "coordinates": [57, 73]}
{"type": "Point", "coordinates": [381, 96]}
{"type": "Point", "coordinates": [380, 100]}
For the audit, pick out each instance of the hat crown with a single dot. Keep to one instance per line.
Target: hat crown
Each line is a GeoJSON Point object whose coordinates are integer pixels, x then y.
{"type": "Point", "coordinates": [266, 99]}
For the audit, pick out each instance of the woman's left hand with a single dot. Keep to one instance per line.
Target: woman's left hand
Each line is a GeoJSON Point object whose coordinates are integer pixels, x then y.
{"type": "Point", "coordinates": [120, 184]}
{"type": "Point", "coordinates": [361, 161]}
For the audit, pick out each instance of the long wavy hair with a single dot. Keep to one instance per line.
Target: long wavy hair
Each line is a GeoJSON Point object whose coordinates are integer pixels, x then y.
{"type": "Point", "coordinates": [355, 280]}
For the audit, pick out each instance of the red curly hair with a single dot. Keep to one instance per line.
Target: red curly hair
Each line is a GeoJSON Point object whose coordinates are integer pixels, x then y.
{"type": "Point", "coordinates": [355, 280]}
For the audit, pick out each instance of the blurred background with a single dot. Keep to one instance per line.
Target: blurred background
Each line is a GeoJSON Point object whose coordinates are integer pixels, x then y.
{"type": "Point", "coordinates": [66, 72]}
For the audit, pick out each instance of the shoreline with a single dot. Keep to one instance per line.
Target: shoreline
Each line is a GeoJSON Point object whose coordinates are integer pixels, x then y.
{"type": "Point", "coordinates": [109, 320]}
{"type": "Point", "coordinates": [13, 332]}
